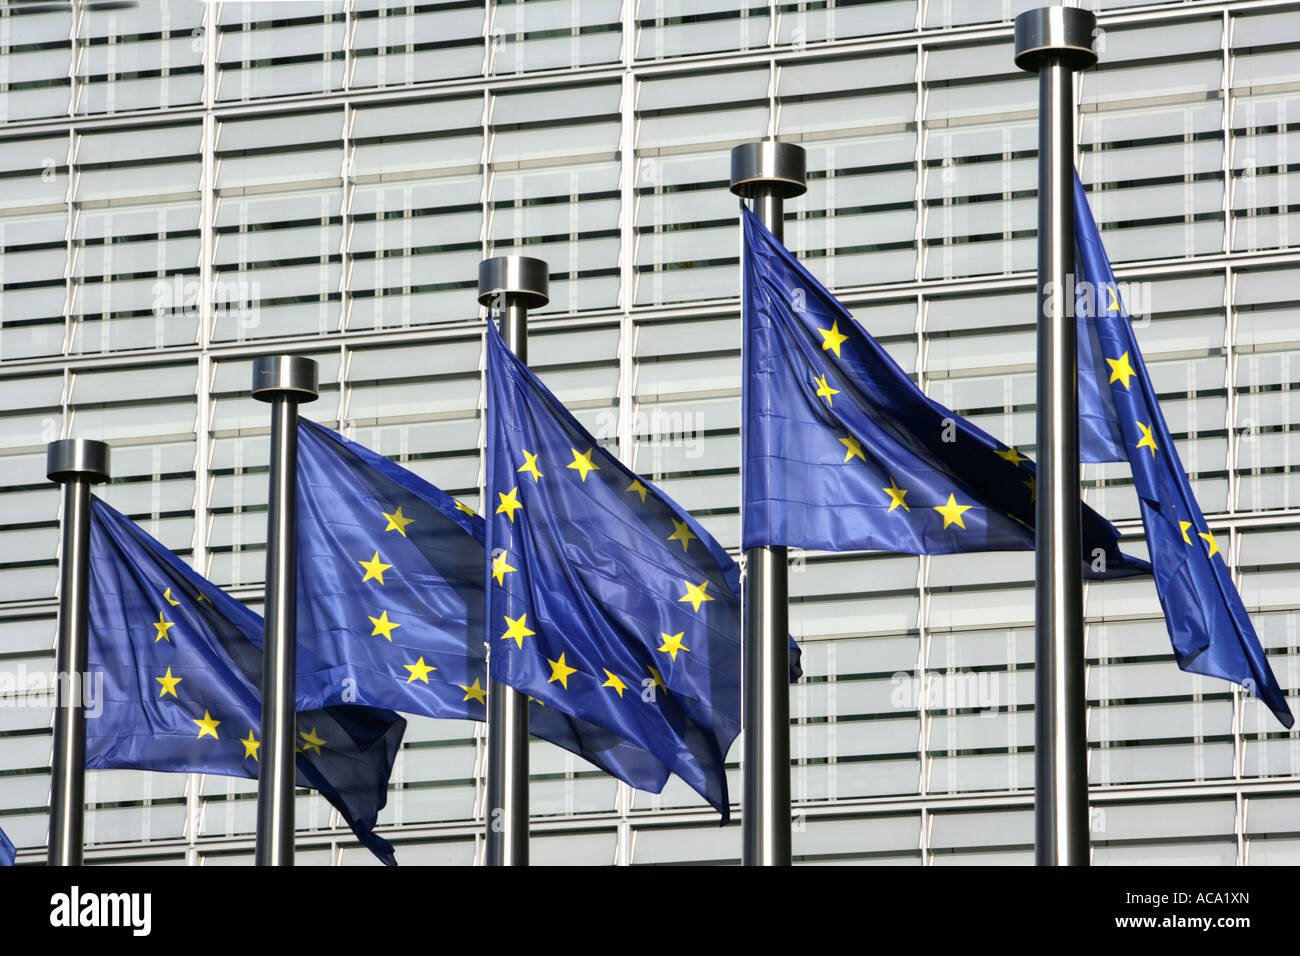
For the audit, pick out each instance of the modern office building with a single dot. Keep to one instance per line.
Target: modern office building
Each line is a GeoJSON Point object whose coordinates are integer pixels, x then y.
{"type": "Point", "coordinates": [185, 186]}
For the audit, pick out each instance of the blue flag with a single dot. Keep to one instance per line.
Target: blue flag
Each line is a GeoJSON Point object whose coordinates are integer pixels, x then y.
{"type": "Point", "coordinates": [1208, 624]}
{"type": "Point", "coordinates": [390, 585]}
{"type": "Point", "coordinates": [607, 602]}
{"type": "Point", "coordinates": [844, 452]}
{"type": "Point", "coordinates": [181, 662]}
{"type": "Point", "coordinates": [417, 597]}
{"type": "Point", "coordinates": [7, 852]}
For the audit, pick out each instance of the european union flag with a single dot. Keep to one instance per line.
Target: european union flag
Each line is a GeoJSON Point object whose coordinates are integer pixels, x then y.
{"type": "Point", "coordinates": [844, 452]}
{"type": "Point", "coordinates": [390, 585]}
{"type": "Point", "coordinates": [1208, 624]}
{"type": "Point", "coordinates": [7, 852]}
{"type": "Point", "coordinates": [182, 662]}
{"type": "Point", "coordinates": [608, 602]}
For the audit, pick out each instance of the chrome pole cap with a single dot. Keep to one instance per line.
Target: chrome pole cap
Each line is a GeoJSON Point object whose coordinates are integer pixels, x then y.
{"type": "Point", "coordinates": [1064, 32]}
{"type": "Point", "coordinates": [278, 375]}
{"type": "Point", "coordinates": [72, 458]}
{"type": "Point", "coordinates": [768, 165]}
{"type": "Point", "coordinates": [523, 279]}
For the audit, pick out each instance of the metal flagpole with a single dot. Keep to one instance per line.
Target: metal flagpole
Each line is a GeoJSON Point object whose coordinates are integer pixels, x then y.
{"type": "Point", "coordinates": [767, 173]}
{"type": "Point", "coordinates": [1055, 42]}
{"type": "Point", "coordinates": [285, 382]}
{"type": "Point", "coordinates": [509, 286]}
{"type": "Point", "coordinates": [75, 463]}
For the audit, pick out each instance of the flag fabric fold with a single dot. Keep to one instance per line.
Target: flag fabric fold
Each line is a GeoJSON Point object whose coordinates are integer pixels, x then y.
{"type": "Point", "coordinates": [608, 604]}
{"type": "Point", "coordinates": [181, 662]}
{"type": "Point", "coordinates": [7, 851]}
{"type": "Point", "coordinates": [1208, 625]}
{"type": "Point", "coordinates": [844, 452]}
{"type": "Point", "coordinates": [390, 585]}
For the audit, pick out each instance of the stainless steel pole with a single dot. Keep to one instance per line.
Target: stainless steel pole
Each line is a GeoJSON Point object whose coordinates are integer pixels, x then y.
{"type": "Point", "coordinates": [285, 382]}
{"type": "Point", "coordinates": [766, 173]}
{"type": "Point", "coordinates": [1055, 42]}
{"type": "Point", "coordinates": [509, 286]}
{"type": "Point", "coordinates": [75, 463]}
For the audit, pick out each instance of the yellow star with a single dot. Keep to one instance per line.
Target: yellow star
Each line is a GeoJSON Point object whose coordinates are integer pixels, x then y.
{"type": "Point", "coordinates": [832, 338]}
{"type": "Point", "coordinates": [684, 534]}
{"type": "Point", "coordinates": [474, 692]}
{"type": "Point", "coordinates": [509, 503]}
{"type": "Point", "coordinates": [419, 671]}
{"type": "Point", "coordinates": [162, 627]}
{"type": "Point", "coordinates": [1183, 526]}
{"type": "Point", "coordinates": [824, 390]}
{"type": "Point", "coordinates": [169, 684]}
{"type": "Point", "coordinates": [1148, 441]}
{"type": "Point", "coordinates": [374, 569]}
{"type": "Point", "coordinates": [500, 568]}
{"type": "Point", "coordinates": [383, 626]}
{"type": "Point", "coordinates": [517, 630]}
{"type": "Point", "coordinates": [168, 596]}
{"type": "Point", "coordinates": [461, 506]}
{"type": "Point", "coordinates": [530, 466]}
{"type": "Point", "coordinates": [250, 747]}
{"type": "Point", "coordinates": [613, 682]}
{"type": "Point", "coordinates": [207, 726]}
{"type": "Point", "coordinates": [534, 700]}
{"type": "Point", "coordinates": [1209, 539]}
{"type": "Point", "coordinates": [896, 496]}
{"type": "Point", "coordinates": [657, 679]}
{"type": "Point", "coordinates": [854, 448]}
{"type": "Point", "coordinates": [1032, 484]}
{"type": "Point", "coordinates": [583, 463]}
{"type": "Point", "coordinates": [397, 521]}
{"type": "Point", "coordinates": [952, 512]}
{"type": "Point", "coordinates": [560, 671]}
{"type": "Point", "coordinates": [1120, 369]}
{"type": "Point", "coordinates": [673, 643]}
{"type": "Point", "coordinates": [311, 742]}
{"type": "Point", "coordinates": [1012, 456]}
{"type": "Point", "coordinates": [1114, 299]}
{"type": "Point", "coordinates": [695, 594]}
{"type": "Point", "coordinates": [639, 488]}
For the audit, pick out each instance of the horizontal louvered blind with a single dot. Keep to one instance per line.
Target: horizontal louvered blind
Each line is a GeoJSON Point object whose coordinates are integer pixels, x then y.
{"type": "Point", "coordinates": [554, 189]}
{"type": "Point", "coordinates": [276, 48]}
{"type": "Point", "coordinates": [671, 28]}
{"type": "Point", "coordinates": [980, 138]}
{"type": "Point", "coordinates": [415, 211]}
{"type": "Point", "coordinates": [139, 56]}
{"type": "Point", "coordinates": [396, 45]}
{"type": "Point", "coordinates": [552, 34]}
{"type": "Point", "coordinates": [859, 222]}
{"type": "Point", "coordinates": [686, 244]}
{"type": "Point", "coordinates": [35, 62]}
{"type": "Point", "coordinates": [278, 224]}
{"type": "Point", "coordinates": [1152, 142]}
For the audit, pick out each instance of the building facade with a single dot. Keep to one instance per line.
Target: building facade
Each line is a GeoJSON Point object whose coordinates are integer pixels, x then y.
{"type": "Point", "coordinates": [185, 186]}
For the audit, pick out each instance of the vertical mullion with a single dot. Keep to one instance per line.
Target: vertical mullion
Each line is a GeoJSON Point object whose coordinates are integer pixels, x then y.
{"type": "Point", "coordinates": [1230, 412]}
{"type": "Point", "coordinates": [1226, 89]}
{"type": "Point", "coordinates": [1239, 821]}
{"type": "Point", "coordinates": [918, 273]}
{"type": "Point", "coordinates": [922, 608]}
{"type": "Point", "coordinates": [349, 32]}
{"type": "Point", "coordinates": [348, 185]}
{"type": "Point", "coordinates": [627, 328]}
{"type": "Point", "coordinates": [70, 247]}
{"type": "Point", "coordinates": [485, 206]}
{"type": "Point", "coordinates": [74, 50]}
{"type": "Point", "coordinates": [203, 412]}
